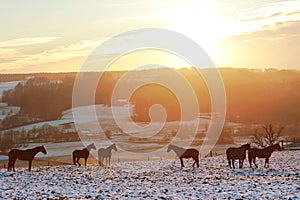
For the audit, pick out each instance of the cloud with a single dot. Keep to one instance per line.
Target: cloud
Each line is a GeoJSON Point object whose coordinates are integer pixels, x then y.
{"type": "Point", "coordinates": [12, 58]}
{"type": "Point", "coordinates": [266, 17]}
{"type": "Point", "coordinates": [26, 41]}
{"type": "Point", "coordinates": [277, 47]}
{"type": "Point", "coordinates": [276, 11]}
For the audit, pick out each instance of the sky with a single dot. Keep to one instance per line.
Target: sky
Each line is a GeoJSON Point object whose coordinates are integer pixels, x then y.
{"type": "Point", "coordinates": [55, 36]}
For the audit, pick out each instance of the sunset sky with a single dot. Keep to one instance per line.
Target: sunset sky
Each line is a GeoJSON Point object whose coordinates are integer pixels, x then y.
{"type": "Point", "coordinates": [52, 36]}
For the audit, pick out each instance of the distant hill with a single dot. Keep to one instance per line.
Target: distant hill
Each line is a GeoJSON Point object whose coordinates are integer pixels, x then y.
{"type": "Point", "coordinates": [253, 96]}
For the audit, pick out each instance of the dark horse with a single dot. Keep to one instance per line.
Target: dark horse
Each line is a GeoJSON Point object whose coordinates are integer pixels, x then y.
{"type": "Point", "coordinates": [237, 153]}
{"type": "Point", "coordinates": [105, 153]}
{"type": "Point", "coordinates": [84, 153]}
{"type": "Point", "coordinates": [185, 153]}
{"type": "Point", "coordinates": [27, 154]}
{"type": "Point", "coordinates": [262, 153]}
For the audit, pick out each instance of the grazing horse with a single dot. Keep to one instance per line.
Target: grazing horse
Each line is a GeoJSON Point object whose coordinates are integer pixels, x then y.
{"type": "Point", "coordinates": [262, 153]}
{"type": "Point", "coordinates": [185, 153]}
{"type": "Point", "coordinates": [237, 153]}
{"type": "Point", "coordinates": [105, 153]}
{"type": "Point", "coordinates": [27, 154]}
{"type": "Point", "coordinates": [84, 153]}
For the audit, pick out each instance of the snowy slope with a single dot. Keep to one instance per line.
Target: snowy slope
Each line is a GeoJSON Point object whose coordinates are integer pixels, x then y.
{"type": "Point", "coordinates": [7, 86]}
{"type": "Point", "coordinates": [158, 180]}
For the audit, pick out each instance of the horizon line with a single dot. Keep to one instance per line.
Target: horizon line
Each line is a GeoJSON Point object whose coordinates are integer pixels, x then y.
{"type": "Point", "coordinates": [120, 70]}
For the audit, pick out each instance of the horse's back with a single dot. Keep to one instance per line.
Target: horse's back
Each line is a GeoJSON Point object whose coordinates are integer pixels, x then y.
{"type": "Point", "coordinates": [260, 153]}
{"type": "Point", "coordinates": [13, 153]}
{"type": "Point", "coordinates": [80, 153]}
{"type": "Point", "coordinates": [235, 153]}
{"type": "Point", "coordinates": [100, 151]}
{"type": "Point", "coordinates": [20, 154]}
{"type": "Point", "coordinates": [74, 152]}
{"type": "Point", "coordinates": [229, 152]}
{"type": "Point", "coordinates": [191, 153]}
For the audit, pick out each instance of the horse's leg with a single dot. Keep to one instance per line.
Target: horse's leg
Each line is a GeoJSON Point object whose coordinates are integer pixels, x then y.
{"type": "Point", "coordinates": [9, 165]}
{"type": "Point", "coordinates": [74, 159]}
{"type": "Point", "coordinates": [181, 161]}
{"type": "Point", "coordinates": [29, 166]}
{"type": "Point", "coordinates": [250, 160]}
{"type": "Point", "coordinates": [102, 161]}
{"type": "Point", "coordinates": [196, 161]}
{"type": "Point", "coordinates": [109, 160]}
{"type": "Point", "coordinates": [85, 159]}
{"type": "Point", "coordinates": [77, 160]}
{"type": "Point", "coordinates": [229, 163]}
{"type": "Point", "coordinates": [232, 160]}
{"type": "Point", "coordinates": [13, 165]}
{"type": "Point", "coordinates": [99, 160]}
{"type": "Point", "coordinates": [266, 162]}
{"type": "Point", "coordinates": [254, 162]}
{"type": "Point", "coordinates": [242, 163]}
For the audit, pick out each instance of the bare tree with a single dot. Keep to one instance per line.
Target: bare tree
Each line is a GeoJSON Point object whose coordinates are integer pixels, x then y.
{"type": "Point", "coordinates": [258, 139]}
{"type": "Point", "coordinates": [268, 137]}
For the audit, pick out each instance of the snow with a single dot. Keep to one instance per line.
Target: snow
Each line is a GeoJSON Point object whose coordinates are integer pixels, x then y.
{"type": "Point", "coordinates": [161, 179]}
{"type": "Point", "coordinates": [7, 86]}
{"type": "Point", "coordinates": [4, 108]}
{"type": "Point", "coordinates": [40, 124]}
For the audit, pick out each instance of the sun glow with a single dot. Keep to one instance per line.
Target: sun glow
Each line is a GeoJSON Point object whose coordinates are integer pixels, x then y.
{"type": "Point", "coordinates": [202, 26]}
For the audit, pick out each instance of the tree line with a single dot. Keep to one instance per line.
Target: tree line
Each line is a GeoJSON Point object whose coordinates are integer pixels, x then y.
{"type": "Point", "coordinates": [253, 96]}
{"type": "Point", "coordinates": [21, 138]}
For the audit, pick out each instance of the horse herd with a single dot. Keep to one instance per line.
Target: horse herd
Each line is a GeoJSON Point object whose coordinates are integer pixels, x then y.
{"type": "Point", "coordinates": [105, 153]}
{"type": "Point", "coordinates": [29, 154]}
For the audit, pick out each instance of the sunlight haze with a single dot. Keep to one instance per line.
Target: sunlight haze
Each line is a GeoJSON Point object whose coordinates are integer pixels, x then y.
{"type": "Point", "coordinates": [58, 36]}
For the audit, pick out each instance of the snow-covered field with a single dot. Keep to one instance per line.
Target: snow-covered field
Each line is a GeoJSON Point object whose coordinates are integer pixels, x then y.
{"type": "Point", "coordinates": [7, 86]}
{"type": "Point", "coordinates": [161, 179]}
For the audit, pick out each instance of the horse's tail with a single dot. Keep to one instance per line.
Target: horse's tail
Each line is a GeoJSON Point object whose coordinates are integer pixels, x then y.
{"type": "Point", "coordinates": [74, 158]}
{"type": "Point", "coordinates": [8, 166]}
{"type": "Point", "coordinates": [100, 159]}
{"type": "Point", "coordinates": [197, 159]}
{"type": "Point", "coordinates": [197, 162]}
{"type": "Point", "coordinates": [228, 153]}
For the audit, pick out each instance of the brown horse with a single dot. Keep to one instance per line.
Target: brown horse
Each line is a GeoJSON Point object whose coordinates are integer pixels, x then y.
{"type": "Point", "coordinates": [28, 154]}
{"type": "Point", "coordinates": [185, 153]}
{"type": "Point", "coordinates": [83, 153]}
{"type": "Point", "coordinates": [237, 153]}
{"type": "Point", "coordinates": [262, 153]}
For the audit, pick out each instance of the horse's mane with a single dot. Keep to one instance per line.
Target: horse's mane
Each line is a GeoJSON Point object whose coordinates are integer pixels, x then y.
{"type": "Point", "coordinates": [38, 147]}
{"type": "Point", "coordinates": [272, 146]}
{"type": "Point", "coordinates": [177, 147]}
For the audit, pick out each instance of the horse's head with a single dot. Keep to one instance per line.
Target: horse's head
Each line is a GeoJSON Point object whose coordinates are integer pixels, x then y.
{"type": "Point", "coordinates": [278, 147]}
{"type": "Point", "coordinates": [114, 147]}
{"type": "Point", "coordinates": [93, 146]}
{"type": "Point", "coordinates": [169, 148]}
{"type": "Point", "coordinates": [43, 150]}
